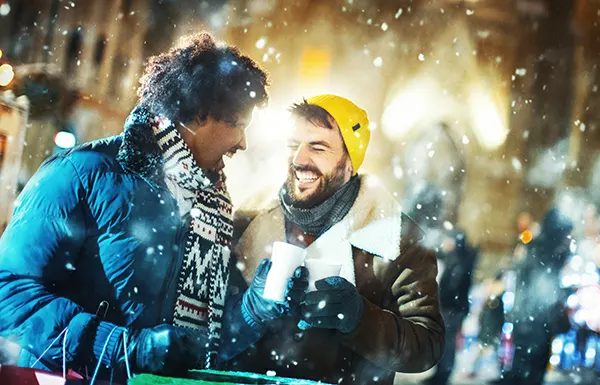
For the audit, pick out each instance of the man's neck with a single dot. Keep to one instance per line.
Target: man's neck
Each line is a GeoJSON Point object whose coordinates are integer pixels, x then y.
{"type": "Point", "coordinates": [297, 237]}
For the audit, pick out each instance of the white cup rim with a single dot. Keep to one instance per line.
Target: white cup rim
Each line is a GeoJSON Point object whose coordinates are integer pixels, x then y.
{"type": "Point", "coordinates": [322, 262]}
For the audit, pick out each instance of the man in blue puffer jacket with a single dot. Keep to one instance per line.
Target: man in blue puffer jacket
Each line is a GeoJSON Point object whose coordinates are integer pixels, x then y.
{"type": "Point", "coordinates": [142, 222]}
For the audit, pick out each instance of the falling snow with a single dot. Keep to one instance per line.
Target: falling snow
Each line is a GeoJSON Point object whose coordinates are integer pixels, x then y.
{"type": "Point", "coordinates": [525, 92]}
{"type": "Point", "coordinates": [261, 43]}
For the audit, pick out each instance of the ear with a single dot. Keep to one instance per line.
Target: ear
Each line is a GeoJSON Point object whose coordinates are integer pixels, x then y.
{"type": "Point", "coordinates": [202, 121]}
{"type": "Point", "coordinates": [349, 166]}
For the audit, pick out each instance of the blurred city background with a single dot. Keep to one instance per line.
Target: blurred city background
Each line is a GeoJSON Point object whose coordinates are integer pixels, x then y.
{"type": "Point", "coordinates": [484, 117]}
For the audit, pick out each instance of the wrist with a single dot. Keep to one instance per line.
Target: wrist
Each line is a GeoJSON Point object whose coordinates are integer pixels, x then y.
{"type": "Point", "coordinates": [249, 314]}
{"type": "Point", "coordinates": [107, 343]}
{"type": "Point", "coordinates": [353, 321]}
{"type": "Point", "coordinates": [135, 352]}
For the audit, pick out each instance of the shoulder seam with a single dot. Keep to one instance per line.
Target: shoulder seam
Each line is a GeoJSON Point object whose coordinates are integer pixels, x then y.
{"type": "Point", "coordinates": [72, 164]}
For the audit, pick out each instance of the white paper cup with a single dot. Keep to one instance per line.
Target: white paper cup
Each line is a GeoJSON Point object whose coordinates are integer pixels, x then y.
{"type": "Point", "coordinates": [285, 259]}
{"type": "Point", "coordinates": [319, 269]}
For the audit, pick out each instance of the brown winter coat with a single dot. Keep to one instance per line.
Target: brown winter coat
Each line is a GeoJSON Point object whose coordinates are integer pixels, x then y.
{"type": "Point", "coordinates": [401, 330]}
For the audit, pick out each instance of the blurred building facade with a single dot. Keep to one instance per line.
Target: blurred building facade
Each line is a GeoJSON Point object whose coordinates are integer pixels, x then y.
{"type": "Point", "coordinates": [489, 100]}
{"type": "Point", "coordinates": [86, 55]}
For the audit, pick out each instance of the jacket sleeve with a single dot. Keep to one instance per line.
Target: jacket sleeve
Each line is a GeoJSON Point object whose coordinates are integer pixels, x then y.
{"type": "Point", "coordinates": [38, 251]}
{"type": "Point", "coordinates": [407, 333]}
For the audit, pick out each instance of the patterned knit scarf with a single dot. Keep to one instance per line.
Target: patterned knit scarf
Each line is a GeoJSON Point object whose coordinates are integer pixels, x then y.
{"type": "Point", "coordinates": [204, 275]}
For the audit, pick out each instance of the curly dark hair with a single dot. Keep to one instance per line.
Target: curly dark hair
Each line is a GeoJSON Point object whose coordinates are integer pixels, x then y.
{"type": "Point", "coordinates": [314, 114]}
{"type": "Point", "coordinates": [201, 77]}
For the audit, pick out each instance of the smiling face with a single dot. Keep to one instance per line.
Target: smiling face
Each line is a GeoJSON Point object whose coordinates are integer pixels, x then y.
{"type": "Point", "coordinates": [318, 163]}
{"type": "Point", "coordinates": [211, 140]}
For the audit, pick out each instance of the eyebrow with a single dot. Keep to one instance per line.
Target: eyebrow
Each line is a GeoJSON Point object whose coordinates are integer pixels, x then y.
{"type": "Point", "coordinates": [313, 143]}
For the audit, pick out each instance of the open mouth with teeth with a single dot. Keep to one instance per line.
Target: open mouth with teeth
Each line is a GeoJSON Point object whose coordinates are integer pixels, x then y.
{"type": "Point", "coordinates": [306, 179]}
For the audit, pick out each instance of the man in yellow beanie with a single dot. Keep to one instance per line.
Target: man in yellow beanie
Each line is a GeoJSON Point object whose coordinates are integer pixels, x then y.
{"type": "Point", "coordinates": [380, 313]}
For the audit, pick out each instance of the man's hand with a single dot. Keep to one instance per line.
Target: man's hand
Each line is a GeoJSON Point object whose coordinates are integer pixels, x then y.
{"type": "Point", "coordinates": [258, 310]}
{"type": "Point", "coordinates": [297, 286]}
{"type": "Point", "coordinates": [247, 313]}
{"type": "Point", "coordinates": [335, 305]}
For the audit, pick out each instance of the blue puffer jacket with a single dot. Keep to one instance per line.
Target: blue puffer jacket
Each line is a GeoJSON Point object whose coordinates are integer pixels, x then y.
{"type": "Point", "coordinates": [94, 224]}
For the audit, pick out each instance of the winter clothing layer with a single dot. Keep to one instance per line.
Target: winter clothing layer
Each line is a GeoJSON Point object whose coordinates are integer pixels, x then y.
{"type": "Point", "coordinates": [317, 220]}
{"type": "Point", "coordinates": [353, 122]}
{"type": "Point", "coordinates": [96, 223]}
{"type": "Point", "coordinates": [539, 311]}
{"type": "Point", "coordinates": [401, 329]}
{"type": "Point", "coordinates": [456, 279]}
{"type": "Point", "coordinates": [453, 321]}
{"type": "Point", "coordinates": [204, 276]}
{"type": "Point", "coordinates": [491, 321]}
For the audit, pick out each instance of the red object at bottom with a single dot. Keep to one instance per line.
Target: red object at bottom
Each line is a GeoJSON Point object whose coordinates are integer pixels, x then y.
{"type": "Point", "coordinates": [15, 375]}
{"type": "Point", "coordinates": [506, 351]}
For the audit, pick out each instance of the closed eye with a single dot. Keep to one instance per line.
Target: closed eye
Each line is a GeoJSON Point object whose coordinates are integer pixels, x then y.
{"type": "Point", "coordinates": [319, 146]}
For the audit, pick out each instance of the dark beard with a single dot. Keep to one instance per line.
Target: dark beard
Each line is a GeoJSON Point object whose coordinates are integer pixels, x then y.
{"type": "Point", "coordinates": [326, 188]}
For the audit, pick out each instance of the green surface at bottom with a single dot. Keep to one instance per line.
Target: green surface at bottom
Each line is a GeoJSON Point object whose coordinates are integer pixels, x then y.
{"type": "Point", "coordinates": [149, 379]}
{"type": "Point", "coordinates": [215, 377]}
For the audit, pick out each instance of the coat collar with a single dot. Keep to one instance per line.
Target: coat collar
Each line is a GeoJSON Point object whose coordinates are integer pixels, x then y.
{"type": "Point", "coordinates": [373, 224]}
{"type": "Point", "coordinates": [139, 152]}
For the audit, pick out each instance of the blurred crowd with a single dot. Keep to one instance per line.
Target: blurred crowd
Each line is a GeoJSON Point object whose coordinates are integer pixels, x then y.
{"type": "Point", "coordinates": [534, 312]}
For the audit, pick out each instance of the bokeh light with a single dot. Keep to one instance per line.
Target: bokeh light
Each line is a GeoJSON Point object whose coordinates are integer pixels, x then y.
{"type": "Point", "coordinates": [526, 236]}
{"type": "Point", "coordinates": [6, 74]}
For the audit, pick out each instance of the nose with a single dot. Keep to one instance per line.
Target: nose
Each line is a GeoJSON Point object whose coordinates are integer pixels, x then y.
{"type": "Point", "coordinates": [243, 145]}
{"type": "Point", "coordinates": [300, 156]}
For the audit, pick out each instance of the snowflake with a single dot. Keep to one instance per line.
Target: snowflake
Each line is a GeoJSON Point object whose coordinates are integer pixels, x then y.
{"type": "Point", "coordinates": [260, 44]}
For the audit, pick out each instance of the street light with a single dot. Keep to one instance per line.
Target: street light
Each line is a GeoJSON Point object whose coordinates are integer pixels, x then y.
{"type": "Point", "coordinates": [64, 139]}
{"type": "Point", "coordinates": [6, 75]}
{"type": "Point", "coordinates": [4, 9]}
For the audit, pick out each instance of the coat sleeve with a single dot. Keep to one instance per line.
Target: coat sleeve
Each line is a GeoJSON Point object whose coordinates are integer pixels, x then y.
{"type": "Point", "coordinates": [407, 333]}
{"type": "Point", "coordinates": [38, 251]}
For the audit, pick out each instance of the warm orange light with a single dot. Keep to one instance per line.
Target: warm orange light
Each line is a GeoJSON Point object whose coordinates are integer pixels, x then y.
{"type": "Point", "coordinates": [0, 54]}
{"type": "Point", "coordinates": [315, 64]}
{"type": "Point", "coordinates": [6, 74]}
{"type": "Point", "coordinates": [526, 236]}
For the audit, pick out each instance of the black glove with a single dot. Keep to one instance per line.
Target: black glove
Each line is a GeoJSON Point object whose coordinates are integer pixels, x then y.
{"type": "Point", "coordinates": [258, 310]}
{"type": "Point", "coordinates": [335, 305]}
{"type": "Point", "coordinates": [165, 349]}
{"type": "Point", "coordinates": [246, 313]}
{"type": "Point", "coordinates": [296, 291]}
